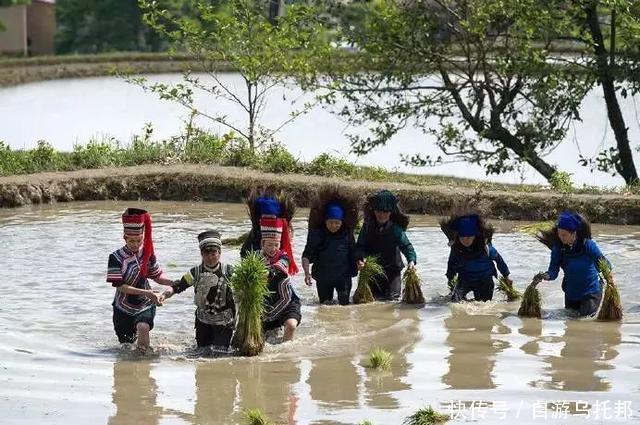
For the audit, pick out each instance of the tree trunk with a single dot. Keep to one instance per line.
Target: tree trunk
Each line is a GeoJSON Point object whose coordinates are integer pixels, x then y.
{"type": "Point", "coordinates": [625, 166]}
{"type": "Point", "coordinates": [251, 112]}
{"type": "Point", "coordinates": [274, 11]}
{"type": "Point", "coordinates": [529, 156]}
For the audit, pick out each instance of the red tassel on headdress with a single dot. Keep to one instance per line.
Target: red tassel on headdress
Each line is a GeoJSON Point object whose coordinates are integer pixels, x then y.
{"type": "Point", "coordinates": [285, 242]}
{"type": "Point", "coordinates": [147, 245]}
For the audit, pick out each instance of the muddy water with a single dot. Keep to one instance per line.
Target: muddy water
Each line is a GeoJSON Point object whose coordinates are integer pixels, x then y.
{"type": "Point", "coordinates": [60, 362]}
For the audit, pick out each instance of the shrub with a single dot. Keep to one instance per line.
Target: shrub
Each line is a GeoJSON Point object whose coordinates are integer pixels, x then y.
{"type": "Point", "coordinates": [205, 148]}
{"type": "Point", "coordinates": [277, 159]}
{"type": "Point", "coordinates": [238, 153]}
{"type": "Point", "coordinates": [95, 154]}
{"type": "Point", "coordinates": [10, 161]}
{"type": "Point", "coordinates": [561, 181]}
{"type": "Point", "coordinates": [44, 158]}
{"type": "Point", "coordinates": [329, 166]}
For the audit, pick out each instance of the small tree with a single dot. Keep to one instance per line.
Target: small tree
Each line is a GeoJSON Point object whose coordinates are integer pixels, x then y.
{"type": "Point", "coordinates": [239, 38]}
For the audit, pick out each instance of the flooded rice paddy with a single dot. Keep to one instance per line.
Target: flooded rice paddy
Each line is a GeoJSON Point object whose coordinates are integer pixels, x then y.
{"type": "Point", "coordinates": [60, 362]}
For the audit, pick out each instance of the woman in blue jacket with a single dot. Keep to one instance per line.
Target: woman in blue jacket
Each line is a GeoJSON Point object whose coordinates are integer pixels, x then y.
{"type": "Point", "coordinates": [573, 251]}
{"type": "Point", "coordinates": [472, 258]}
{"type": "Point", "coordinates": [331, 245]}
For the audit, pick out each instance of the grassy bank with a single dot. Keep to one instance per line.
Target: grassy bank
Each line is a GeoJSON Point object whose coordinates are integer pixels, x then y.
{"type": "Point", "coordinates": [202, 166]}
{"type": "Point", "coordinates": [198, 147]}
{"type": "Point", "coordinates": [211, 183]}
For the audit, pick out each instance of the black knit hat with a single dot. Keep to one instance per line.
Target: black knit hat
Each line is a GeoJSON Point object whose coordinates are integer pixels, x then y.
{"type": "Point", "coordinates": [209, 239]}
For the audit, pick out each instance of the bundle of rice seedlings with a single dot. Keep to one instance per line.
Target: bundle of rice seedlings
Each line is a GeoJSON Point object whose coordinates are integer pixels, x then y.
{"type": "Point", "coordinates": [611, 308]}
{"type": "Point", "coordinates": [451, 283]}
{"type": "Point", "coordinates": [237, 241]}
{"type": "Point", "coordinates": [256, 417]}
{"type": "Point", "coordinates": [412, 293]}
{"type": "Point", "coordinates": [366, 423]}
{"type": "Point", "coordinates": [506, 287]}
{"type": "Point", "coordinates": [531, 305]}
{"type": "Point", "coordinates": [380, 359]}
{"type": "Point", "coordinates": [535, 228]}
{"type": "Point", "coordinates": [249, 283]}
{"type": "Point", "coordinates": [426, 416]}
{"type": "Point", "coordinates": [367, 277]}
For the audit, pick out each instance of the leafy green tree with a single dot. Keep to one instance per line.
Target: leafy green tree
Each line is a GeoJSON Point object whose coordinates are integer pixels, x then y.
{"type": "Point", "coordinates": [94, 26]}
{"type": "Point", "coordinates": [609, 33]}
{"type": "Point", "coordinates": [7, 3]}
{"type": "Point", "coordinates": [242, 37]}
{"type": "Point", "coordinates": [479, 75]}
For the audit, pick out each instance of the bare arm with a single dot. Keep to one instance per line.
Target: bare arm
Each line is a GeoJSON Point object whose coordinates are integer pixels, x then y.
{"type": "Point", "coordinates": [307, 273]}
{"type": "Point", "coordinates": [162, 280]}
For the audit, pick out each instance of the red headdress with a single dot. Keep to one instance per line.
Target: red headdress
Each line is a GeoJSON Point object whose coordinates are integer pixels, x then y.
{"type": "Point", "coordinates": [278, 229]}
{"type": "Point", "coordinates": [137, 222]}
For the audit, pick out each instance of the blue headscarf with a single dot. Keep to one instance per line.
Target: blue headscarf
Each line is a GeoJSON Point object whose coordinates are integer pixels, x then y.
{"type": "Point", "coordinates": [334, 211]}
{"type": "Point", "coordinates": [467, 225]}
{"type": "Point", "coordinates": [569, 221]}
{"type": "Point", "coordinates": [268, 206]}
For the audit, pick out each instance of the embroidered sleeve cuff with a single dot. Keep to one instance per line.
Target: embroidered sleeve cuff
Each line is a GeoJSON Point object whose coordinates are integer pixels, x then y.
{"type": "Point", "coordinates": [154, 272]}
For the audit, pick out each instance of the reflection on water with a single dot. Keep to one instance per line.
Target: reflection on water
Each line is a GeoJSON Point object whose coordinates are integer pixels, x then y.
{"type": "Point", "coordinates": [381, 387]}
{"type": "Point", "coordinates": [268, 387]}
{"type": "Point", "coordinates": [533, 329]}
{"type": "Point", "coordinates": [333, 382]}
{"type": "Point", "coordinates": [216, 391]}
{"type": "Point", "coordinates": [473, 349]}
{"type": "Point", "coordinates": [587, 348]}
{"type": "Point", "coordinates": [62, 356]}
{"type": "Point", "coordinates": [134, 394]}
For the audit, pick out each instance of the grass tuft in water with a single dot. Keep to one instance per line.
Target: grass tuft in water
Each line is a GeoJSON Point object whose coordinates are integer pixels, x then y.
{"type": "Point", "coordinates": [426, 416]}
{"type": "Point", "coordinates": [249, 283]}
{"type": "Point", "coordinates": [237, 241]}
{"type": "Point", "coordinates": [256, 417]}
{"type": "Point", "coordinates": [366, 423]}
{"type": "Point", "coordinates": [451, 283]}
{"type": "Point", "coordinates": [380, 359]}
{"type": "Point", "coordinates": [367, 277]}
{"type": "Point", "coordinates": [412, 293]}
{"type": "Point", "coordinates": [507, 288]}
{"type": "Point", "coordinates": [611, 309]}
{"type": "Point", "coordinates": [531, 305]}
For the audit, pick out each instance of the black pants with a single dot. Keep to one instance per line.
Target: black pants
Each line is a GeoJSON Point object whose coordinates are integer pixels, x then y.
{"type": "Point", "coordinates": [292, 311]}
{"type": "Point", "coordinates": [341, 286]}
{"type": "Point", "coordinates": [482, 290]}
{"type": "Point", "coordinates": [216, 335]}
{"type": "Point", "coordinates": [387, 287]}
{"type": "Point", "coordinates": [586, 306]}
{"type": "Point", "coordinates": [125, 324]}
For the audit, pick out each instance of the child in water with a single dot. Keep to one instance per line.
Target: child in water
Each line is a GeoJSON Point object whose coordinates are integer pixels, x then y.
{"type": "Point", "coordinates": [213, 296]}
{"type": "Point", "coordinates": [129, 268]}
